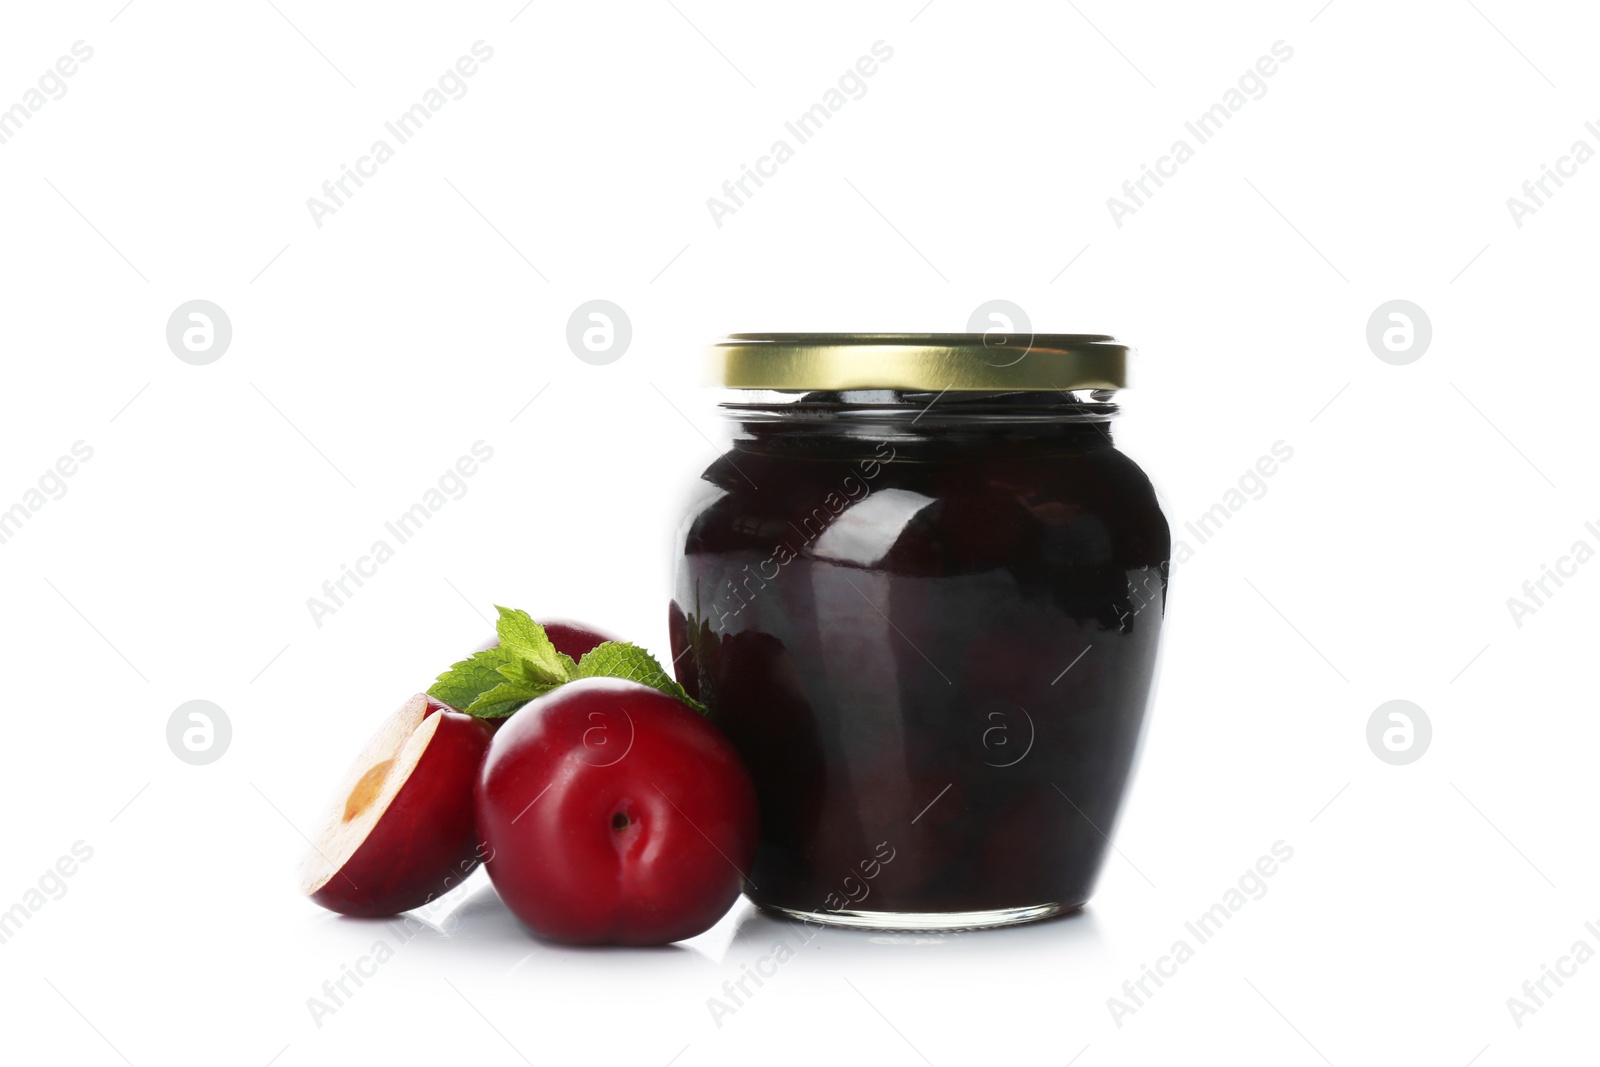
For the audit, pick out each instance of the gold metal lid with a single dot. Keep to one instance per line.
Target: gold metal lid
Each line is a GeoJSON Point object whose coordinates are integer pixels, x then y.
{"type": "Point", "coordinates": [919, 361]}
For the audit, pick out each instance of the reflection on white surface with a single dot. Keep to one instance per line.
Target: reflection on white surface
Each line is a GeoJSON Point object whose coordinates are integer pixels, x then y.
{"type": "Point", "coordinates": [865, 532]}
{"type": "Point", "coordinates": [482, 916]}
{"type": "Point", "coordinates": [481, 927]}
{"type": "Point", "coordinates": [759, 930]}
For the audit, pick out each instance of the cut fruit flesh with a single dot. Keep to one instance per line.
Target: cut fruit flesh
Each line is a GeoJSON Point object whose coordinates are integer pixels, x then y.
{"type": "Point", "coordinates": [401, 830]}
{"type": "Point", "coordinates": [369, 788]}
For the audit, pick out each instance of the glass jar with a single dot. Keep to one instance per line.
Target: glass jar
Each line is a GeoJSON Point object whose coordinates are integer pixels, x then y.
{"type": "Point", "coordinates": [921, 594]}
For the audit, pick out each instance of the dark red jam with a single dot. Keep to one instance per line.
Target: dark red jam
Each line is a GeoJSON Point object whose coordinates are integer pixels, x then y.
{"type": "Point", "coordinates": [930, 628]}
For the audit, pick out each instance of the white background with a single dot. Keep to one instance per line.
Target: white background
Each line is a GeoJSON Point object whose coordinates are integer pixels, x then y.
{"type": "Point", "coordinates": [369, 353]}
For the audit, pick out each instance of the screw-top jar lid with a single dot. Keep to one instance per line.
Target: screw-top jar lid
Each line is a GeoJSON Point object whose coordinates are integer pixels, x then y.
{"type": "Point", "coordinates": [920, 361]}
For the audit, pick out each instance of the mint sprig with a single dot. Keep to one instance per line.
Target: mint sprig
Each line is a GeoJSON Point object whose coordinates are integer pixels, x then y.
{"type": "Point", "coordinates": [494, 683]}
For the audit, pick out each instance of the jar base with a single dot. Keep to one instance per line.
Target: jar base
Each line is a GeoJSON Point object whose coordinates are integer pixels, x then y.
{"type": "Point", "coordinates": [932, 920]}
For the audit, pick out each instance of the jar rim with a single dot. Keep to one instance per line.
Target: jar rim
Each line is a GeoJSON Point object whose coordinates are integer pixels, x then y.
{"type": "Point", "coordinates": [962, 362]}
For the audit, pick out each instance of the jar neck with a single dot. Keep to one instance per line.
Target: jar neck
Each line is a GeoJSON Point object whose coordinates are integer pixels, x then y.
{"type": "Point", "coordinates": [780, 421]}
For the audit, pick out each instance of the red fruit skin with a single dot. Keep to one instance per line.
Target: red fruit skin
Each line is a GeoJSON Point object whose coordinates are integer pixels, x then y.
{"type": "Point", "coordinates": [426, 842]}
{"type": "Point", "coordinates": [558, 776]}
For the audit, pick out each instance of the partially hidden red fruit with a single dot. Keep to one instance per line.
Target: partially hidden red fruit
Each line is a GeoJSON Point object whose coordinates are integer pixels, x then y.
{"type": "Point", "coordinates": [613, 814]}
{"type": "Point", "coordinates": [401, 831]}
{"type": "Point", "coordinates": [574, 639]}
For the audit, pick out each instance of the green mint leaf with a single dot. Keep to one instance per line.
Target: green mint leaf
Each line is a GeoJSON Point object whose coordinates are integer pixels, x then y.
{"type": "Point", "coordinates": [467, 680]}
{"type": "Point", "coordinates": [520, 672]}
{"type": "Point", "coordinates": [619, 659]}
{"type": "Point", "coordinates": [526, 641]}
{"type": "Point", "coordinates": [504, 699]}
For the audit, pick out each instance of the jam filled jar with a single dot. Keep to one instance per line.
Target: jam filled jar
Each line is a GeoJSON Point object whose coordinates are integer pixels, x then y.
{"type": "Point", "coordinates": [922, 593]}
